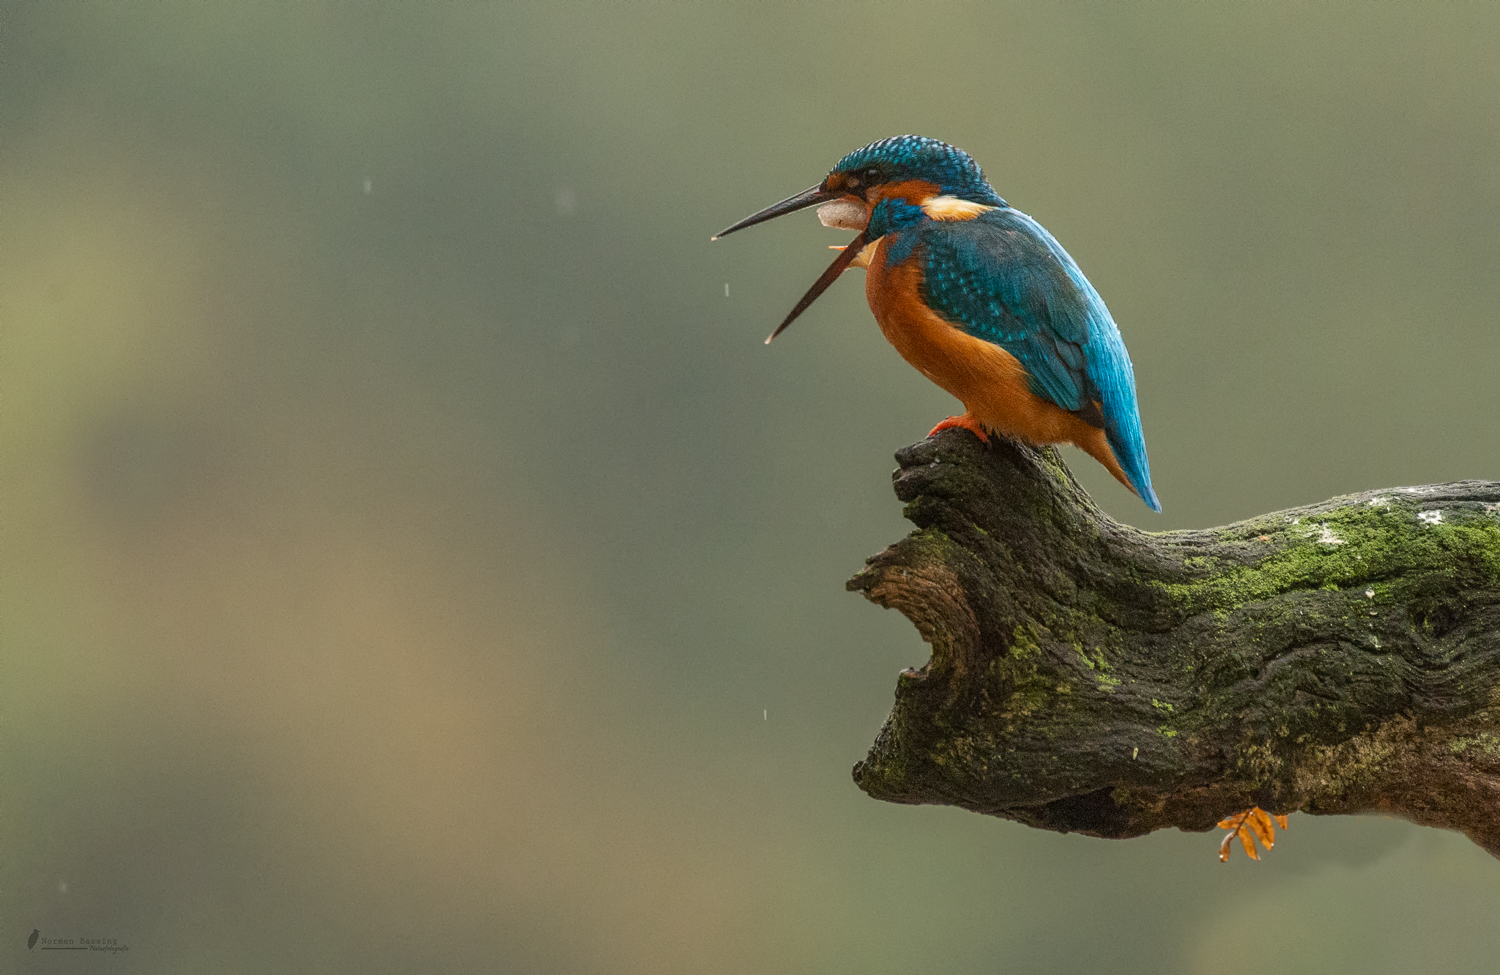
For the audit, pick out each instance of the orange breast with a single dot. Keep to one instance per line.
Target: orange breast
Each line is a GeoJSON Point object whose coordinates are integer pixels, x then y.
{"type": "Point", "coordinates": [990, 381]}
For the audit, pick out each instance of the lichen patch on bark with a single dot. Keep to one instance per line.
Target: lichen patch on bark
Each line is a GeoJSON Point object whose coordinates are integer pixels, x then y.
{"type": "Point", "coordinates": [1088, 676]}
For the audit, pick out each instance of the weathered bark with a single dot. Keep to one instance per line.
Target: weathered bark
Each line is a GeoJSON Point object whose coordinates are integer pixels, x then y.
{"type": "Point", "coordinates": [1090, 677]}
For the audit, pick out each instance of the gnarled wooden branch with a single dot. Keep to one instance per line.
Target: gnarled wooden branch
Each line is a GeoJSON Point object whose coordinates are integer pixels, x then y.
{"type": "Point", "coordinates": [1090, 677]}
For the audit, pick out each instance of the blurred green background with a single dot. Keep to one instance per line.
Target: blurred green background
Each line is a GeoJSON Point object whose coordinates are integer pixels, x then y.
{"type": "Point", "coordinates": [414, 562]}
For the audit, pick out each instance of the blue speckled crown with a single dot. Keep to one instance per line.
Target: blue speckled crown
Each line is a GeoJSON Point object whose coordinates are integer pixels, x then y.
{"type": "Point", "coordinates": [917, 157]}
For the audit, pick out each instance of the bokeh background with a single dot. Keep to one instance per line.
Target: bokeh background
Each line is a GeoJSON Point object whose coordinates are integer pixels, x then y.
{"type": "Point", "coordinates": [414, 561]}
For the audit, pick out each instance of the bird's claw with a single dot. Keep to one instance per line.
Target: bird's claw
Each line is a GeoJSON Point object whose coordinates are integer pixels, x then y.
{"type": "Point", "coordinates": [964, 422]}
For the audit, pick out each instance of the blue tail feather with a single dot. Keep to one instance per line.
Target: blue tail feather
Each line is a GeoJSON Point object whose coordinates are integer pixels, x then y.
{"type": "Point", "coordinates": [1111, 373]}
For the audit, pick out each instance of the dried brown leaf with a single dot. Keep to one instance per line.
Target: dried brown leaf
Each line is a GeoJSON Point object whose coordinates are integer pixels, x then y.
{"type": "Point", "coordinates": [1260, 824]}
{"type": "Point", "coordinates": [1249, 826]}
{"type": "Point", "coordinates": [1248, 843]}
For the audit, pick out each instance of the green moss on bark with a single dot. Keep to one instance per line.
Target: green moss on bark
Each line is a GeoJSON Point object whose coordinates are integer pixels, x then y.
{"type": "Point", "coordinates": [1088, 676]}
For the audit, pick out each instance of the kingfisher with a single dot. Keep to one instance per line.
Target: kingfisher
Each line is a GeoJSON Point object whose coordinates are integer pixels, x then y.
{"type": "Point", "coordinates": [981, 299]}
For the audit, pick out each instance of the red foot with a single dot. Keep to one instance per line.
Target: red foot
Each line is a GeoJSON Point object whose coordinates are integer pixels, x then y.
{"type": "Point", "coordinates": [965, 422]}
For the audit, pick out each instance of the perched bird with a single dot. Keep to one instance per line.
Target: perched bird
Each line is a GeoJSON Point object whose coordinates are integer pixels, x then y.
{"type": "Point", "coordinates": [981, 299]}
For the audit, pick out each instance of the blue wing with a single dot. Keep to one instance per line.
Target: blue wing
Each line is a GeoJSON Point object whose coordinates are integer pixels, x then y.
{"type": "Point", "coordinates": [1002, 278]}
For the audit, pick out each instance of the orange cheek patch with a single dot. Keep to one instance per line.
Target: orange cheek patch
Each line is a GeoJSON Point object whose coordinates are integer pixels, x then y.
{"type": "Point", "coordinates": [913, 191]}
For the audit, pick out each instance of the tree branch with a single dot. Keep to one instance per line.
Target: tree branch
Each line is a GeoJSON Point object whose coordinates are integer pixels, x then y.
{"type": "Point", "coordinates": [1090, 677]}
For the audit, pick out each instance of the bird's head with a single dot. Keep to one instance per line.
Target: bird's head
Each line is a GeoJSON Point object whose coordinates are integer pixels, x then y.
{"type": "Point", "coordinates": [904, 174]}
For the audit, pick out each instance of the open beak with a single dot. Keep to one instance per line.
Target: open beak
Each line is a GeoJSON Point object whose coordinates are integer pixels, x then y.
{"type": "Point", "coordinates": [846, 257]}
{"type": "Point", "coordinates": [810, 197]}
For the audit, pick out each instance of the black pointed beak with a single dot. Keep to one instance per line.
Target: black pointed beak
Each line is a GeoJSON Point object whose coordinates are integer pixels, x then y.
{"type": "Point", "coordinates": [809, 197]}
{"type": "Point", "coordinates": [839, 265]}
